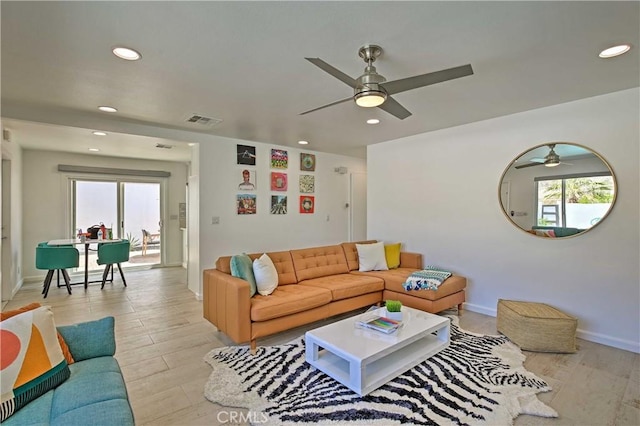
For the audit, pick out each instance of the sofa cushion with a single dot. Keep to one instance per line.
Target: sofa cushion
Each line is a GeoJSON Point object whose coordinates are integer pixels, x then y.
{"type": "Point", "coordinates": [32, 360]}
{"type": "Point", "coordinates": [394, 278]}
{"type": "Point", "coordinates": [63, 345]}
{"type": "Point", "coordinates": [344, 286]}
{"type": "Point", "coordinates": [287, 300]}
{"type": "Point", "coordinates": [91, 339]}
{"type": "Point", "coordinates": [266, 275]}
{"type": "Point", "coordinates": [104, 413]}
{"type": "Point", "coordinates": [92, 381]}
{"type": "Point", "coordinates": [319, 262]}
{"type": "Point", "coordinates": [281, 260]}
{"type": "Point", "coordinates": [371, 257]}
{"type": "Point", "coordinates": [351, 253]}
{"type": "Point", "coordinates": [392, 255]}
{"type": "Point", "coordinates": [242, 267]}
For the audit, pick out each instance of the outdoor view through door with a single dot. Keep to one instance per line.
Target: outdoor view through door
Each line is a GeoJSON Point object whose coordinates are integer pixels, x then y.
{"type": "Point", "coordinates": [127, 208]}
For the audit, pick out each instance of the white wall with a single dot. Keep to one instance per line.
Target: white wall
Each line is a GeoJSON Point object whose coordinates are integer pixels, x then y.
{"type": "Point", "coordinates": [438, 193]}
{"type": "Point", "coordinates": [45, 199]}
{"type": "Point", "coordinates": [218, 182]}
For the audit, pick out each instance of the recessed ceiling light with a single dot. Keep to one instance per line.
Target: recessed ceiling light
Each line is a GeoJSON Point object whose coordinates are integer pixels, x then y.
{"type": "Point", "coordinates": [126, 53]}
{"type": "Point", "coordinates": [99, 133]}
{"type": "Point", "coordinates": [94, 149]}
{"type": "Point", "coordinates": [192, 144]}
{"type": "Point", "coordinates": [303, 142]}
{"type": "Point", "coordinates": [615, 51]}
{"type": "Point", "coordinates": [107, 109]}
{"type": "Point", "coordinates": [373, 121]}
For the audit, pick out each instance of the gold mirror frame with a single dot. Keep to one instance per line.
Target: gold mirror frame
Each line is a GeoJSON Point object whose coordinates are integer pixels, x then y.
{"type": "Point", "coordinates": [530, 163]}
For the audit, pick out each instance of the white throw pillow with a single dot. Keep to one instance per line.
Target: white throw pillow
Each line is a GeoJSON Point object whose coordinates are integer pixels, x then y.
{"type": "Point", "coordinates": [266, 275]}
{"type": "Point", "coordinates": [371, 257]}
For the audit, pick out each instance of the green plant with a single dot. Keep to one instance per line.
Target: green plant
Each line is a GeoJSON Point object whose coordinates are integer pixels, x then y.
{"type": "Point", "coordinates": [133, 241]}
{"type": "Point", "coordinates": [393, 305]}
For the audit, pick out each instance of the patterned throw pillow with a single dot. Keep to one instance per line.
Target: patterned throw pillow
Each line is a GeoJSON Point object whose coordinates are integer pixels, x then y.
{"type": "Point", "coordinates": [29, 307]}
{"type": "Point", "coordinates": [31, 360]}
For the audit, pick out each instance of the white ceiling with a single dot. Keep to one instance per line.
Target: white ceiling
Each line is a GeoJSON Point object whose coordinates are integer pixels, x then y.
{"type": "Point", "coordinates": [243, 63]}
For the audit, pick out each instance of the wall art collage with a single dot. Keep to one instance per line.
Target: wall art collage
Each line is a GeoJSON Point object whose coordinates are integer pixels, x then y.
{"type": "Point", "coordinates": [246, 198]}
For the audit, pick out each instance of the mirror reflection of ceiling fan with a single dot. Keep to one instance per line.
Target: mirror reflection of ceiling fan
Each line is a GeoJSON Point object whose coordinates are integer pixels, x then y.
{"type": "Point", "coordinates": [373, 90]}
{"type": "Point", "coordinates": [551, 160]}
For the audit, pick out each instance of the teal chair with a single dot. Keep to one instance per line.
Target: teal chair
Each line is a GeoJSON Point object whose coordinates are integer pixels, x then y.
{"type": "Point", "coordinates": [56, 258]}
{"type": "Point", "coordinates": [110, 254]}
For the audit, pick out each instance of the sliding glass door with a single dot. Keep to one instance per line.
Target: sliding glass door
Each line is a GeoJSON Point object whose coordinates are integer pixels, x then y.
{"type": "Point", "coordinates": [128, 209]}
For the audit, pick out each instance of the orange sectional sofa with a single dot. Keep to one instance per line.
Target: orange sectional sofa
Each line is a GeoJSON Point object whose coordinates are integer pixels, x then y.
{"type": "Point", "coordinates": [314, 284]}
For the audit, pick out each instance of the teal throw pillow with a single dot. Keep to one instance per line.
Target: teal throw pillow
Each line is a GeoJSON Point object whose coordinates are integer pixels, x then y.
{"type": "Point", "coordinates": [242, 267]}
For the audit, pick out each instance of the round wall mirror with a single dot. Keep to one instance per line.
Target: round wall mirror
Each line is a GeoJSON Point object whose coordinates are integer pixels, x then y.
{"type": "Point", "coordinates": [557, 190]}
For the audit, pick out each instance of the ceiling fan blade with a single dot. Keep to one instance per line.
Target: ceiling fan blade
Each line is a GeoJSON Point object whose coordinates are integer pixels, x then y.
{"type": "Point", "coordinates": [328, 105]}
{"type": "Point", "coordinates": [529, 165]}
{"type": "Point", "coordinates": [394, 108]}
{"type": "Point", "coordinates": [397, 86]}
{"type": "Point", "coordinates": [333, 71]}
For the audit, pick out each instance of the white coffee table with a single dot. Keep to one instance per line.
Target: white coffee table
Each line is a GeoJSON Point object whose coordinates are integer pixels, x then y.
{"type": "Point", "coordinates": [363, 359]}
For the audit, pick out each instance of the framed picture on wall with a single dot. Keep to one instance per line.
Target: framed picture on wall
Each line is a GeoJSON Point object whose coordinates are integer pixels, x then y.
{"type": "Point", "coordinates": [278, 181]}
{"type": "Point", "coordinates": [246, 154]}
{"type": "Point", "coordinates": [307, 204]}
{"type": "Point", "coordinates": [278, 204]}
{"type": "Point", "coordinates": [247, 180]}
{"type": "Point", "coordinates": [307, 162]}
{"type": "Point", "coordinates": [307, 184]}
{"type": "Point", "coordinates": [246, 203]}
{"type": "Point", "coordinates": [279, 159]}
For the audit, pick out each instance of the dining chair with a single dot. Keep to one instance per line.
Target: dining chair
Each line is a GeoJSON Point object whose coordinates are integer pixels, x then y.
{"type": "Point", "coordinates": [56, 258]}
{"type": "Point", "coordinates": [110, 254]}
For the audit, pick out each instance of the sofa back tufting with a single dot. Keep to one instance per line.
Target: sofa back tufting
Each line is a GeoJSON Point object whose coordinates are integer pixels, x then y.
{"type": "Point", "coordinates": [319, 262]}
{"type": "Point", "coordinates": [281, 260]}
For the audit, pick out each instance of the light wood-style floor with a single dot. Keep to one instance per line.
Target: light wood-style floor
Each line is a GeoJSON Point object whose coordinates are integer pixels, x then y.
{"type": "Point", "coordinates": [162, 339]}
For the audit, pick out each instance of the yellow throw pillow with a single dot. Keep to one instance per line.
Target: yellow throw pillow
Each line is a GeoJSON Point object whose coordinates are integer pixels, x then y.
{"type": "Point", "coordinates": [392, 254]}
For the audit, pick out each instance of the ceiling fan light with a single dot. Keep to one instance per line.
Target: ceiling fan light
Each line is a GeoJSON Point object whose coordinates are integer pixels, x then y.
{"type": "Point", "coordinates": [370, 98]}
{"type": "Point", "coordinates": [551, 163]}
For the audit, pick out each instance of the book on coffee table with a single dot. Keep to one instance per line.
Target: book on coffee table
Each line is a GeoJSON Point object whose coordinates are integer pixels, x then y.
{"type": "Point", "coordinates": [378, 323]}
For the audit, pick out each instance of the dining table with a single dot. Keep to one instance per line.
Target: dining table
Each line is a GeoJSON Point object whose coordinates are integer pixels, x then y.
{"type": "Point", "coordinates": [86, 242]}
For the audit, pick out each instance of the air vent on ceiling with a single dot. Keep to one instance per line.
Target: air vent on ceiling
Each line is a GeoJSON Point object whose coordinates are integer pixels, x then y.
{"type": "Point", "coordinates": [161, 145]}
{"type": "Point", "coordinates": [202, 120]}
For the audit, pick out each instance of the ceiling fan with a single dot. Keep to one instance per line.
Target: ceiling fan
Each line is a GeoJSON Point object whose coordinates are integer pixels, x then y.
{"type": "Point", "coordinates": [373, 90]}
{"type": "Point", "coordinates": [551, 160]}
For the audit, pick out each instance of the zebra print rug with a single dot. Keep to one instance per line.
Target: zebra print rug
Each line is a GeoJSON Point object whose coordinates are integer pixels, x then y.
{"type": "Point", "coordinates": [477, 380]}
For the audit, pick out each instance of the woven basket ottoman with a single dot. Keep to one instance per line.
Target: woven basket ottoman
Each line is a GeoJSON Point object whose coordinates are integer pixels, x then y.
{"type": "Point", "coordinates": [536, 326]}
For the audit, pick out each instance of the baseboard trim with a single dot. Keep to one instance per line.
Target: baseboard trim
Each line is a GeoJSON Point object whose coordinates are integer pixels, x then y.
{"type": "Point", "coordinates": [626, 345]}
{"type": "Point", "coordinates": [479, 309]}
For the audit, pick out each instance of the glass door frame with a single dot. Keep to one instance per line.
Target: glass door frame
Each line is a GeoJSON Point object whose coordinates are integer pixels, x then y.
{"type": "Point", "coordinates": [120, 180]}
